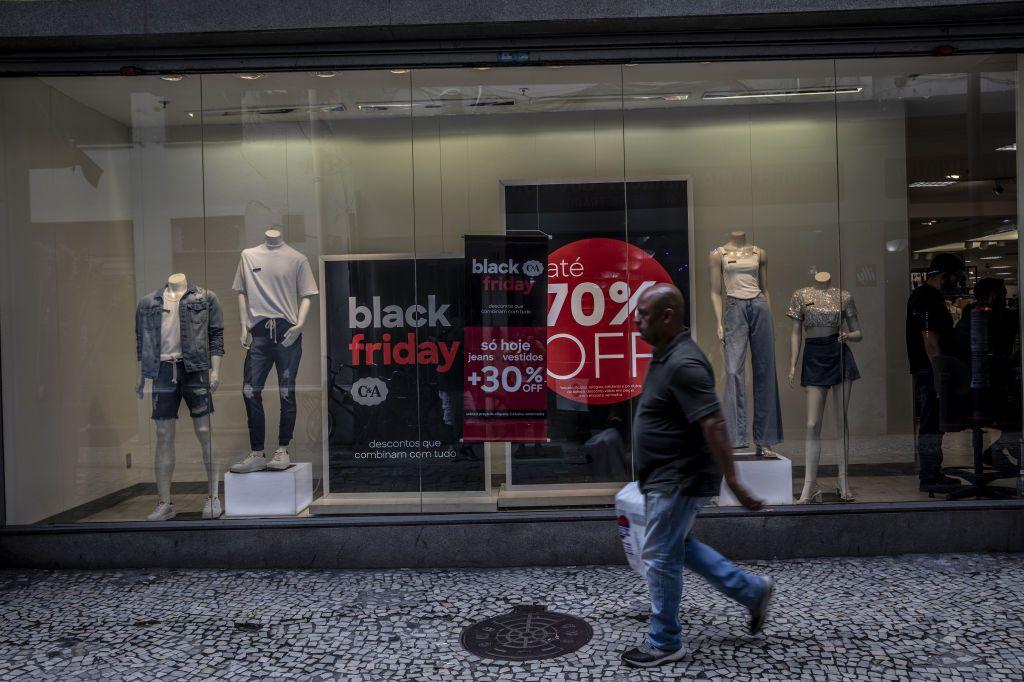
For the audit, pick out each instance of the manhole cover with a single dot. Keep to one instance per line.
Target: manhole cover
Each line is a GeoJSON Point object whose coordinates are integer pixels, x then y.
{"type": "Point", "coordinates": [528, 633]}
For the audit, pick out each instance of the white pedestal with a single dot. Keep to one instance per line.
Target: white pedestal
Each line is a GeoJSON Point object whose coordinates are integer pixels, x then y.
{"type": "Point", "coordinates": [269, 493]}
{"type": "Point", "coordinates": [771, 479]}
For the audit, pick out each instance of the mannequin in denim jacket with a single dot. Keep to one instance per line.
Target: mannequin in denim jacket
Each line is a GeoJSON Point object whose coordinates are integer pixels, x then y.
{"type": "Point", "coordinates": [165, 429]}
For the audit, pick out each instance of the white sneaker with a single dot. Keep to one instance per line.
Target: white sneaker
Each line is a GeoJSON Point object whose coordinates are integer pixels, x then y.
{"type": "Point", "coordinates": [254, 461]}
{"type": "Point", "coordinates": [280, 462]}
{"type": "Point", "coordinates": [212, 509]}
{"type": "Point", "coordinates": [164, 511]}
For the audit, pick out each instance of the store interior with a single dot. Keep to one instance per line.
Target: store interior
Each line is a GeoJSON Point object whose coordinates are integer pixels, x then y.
{"type": "Point", "coordinates": [864, 169]}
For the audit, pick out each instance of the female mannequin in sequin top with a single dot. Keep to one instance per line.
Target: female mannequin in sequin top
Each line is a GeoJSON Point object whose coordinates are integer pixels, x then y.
{"type": "Point", "coordinates": [819, 314]}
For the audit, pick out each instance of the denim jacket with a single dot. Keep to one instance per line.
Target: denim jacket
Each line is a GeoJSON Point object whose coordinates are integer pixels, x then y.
{"type": "Point", "coordinates": [202, 329]}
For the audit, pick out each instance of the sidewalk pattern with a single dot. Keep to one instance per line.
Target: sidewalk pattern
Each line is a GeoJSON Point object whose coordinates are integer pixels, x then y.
{"type": "Point", "coordinates": [906, 618]}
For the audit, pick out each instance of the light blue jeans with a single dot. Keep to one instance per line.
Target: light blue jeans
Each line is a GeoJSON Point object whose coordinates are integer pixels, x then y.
{"type": "Point", "coordinates": [668, 547]}
{"type": "Point", "coordinates": [748, 322]}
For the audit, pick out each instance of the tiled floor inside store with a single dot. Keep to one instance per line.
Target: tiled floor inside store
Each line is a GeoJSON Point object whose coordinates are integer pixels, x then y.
{"type": "Point", "coordinates": [920, 618]}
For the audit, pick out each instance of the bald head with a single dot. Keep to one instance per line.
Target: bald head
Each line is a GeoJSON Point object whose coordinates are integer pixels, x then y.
{"type": "Point", "coordinates": [660, 314]}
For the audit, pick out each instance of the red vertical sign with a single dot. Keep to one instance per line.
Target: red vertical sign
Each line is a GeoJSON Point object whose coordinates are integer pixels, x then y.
{"type": "Point", "coordinates": [505, 358]}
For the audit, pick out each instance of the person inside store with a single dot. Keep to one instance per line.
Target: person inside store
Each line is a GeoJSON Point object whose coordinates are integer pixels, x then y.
{"type": "Point", "coordinates": [931, 350]}
{"type": "Point", "coordinates": [1003, 369]}
{"type": "Point", "coordinates": [682, 451]}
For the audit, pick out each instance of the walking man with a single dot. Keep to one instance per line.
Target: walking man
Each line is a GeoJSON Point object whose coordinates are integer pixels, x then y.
{"type": "Point", "coordinates": [682, 451]}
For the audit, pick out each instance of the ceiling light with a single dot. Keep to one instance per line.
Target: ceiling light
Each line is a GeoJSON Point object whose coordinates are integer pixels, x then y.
{"type": "Point", "coordinates": [783, 93]}
{"type": "Point", "coordinates": [276, 111]}
{"type": "Point", "coordinates": [630, 66]}
{"type": "Point", "coordinates": [387, 106]}
{"type": "Point", "coordinates": [399, 72]}
{"type": "Point", "coordinates": [325, 74]}
{"type": "Point", "coordinates": [191, 114]}
{"type": "Point", "coordinates": [1012, 147]}
{"type": "Point", "coordinates": [933, 183]}
{"type": "Point", "coordinates": [928, 222]}
{"type": "Point", "coordinates": [172, 77]}
{"type": "Point", "coordinates": [471, 103]}
{"type": "Point", "coordinates": [990, 258]}
{"type": "Point", "coordinates": [999, 267]}
{"type": "Point", "coordinates": [943, 248]}
{"type": "Point", "coordinates": [250, 76]}
{"type": "Point", "coordinates": [554, 66]}
{"type": "Point", "coordinates": [481, 68]}
{"type": "Point", "coordinates": [952, 176]}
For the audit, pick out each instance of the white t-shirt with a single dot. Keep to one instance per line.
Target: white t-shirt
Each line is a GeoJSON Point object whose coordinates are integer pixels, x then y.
{"type": "Point", "coordinates": [170, 329]}
{"type": "Point", "coordinates": [273, 279]}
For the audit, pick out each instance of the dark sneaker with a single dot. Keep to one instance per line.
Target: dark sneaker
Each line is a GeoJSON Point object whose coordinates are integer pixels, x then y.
{"type": "Point", "coordinates": [648, 656]}
{"type": "Point", "coordinates": [759, 613]}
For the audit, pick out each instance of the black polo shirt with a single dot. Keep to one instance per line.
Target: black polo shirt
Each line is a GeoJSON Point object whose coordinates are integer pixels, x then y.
{"type": "Point", "coordinates": [668, 444]}
{"type": "Point", "coordinates": [927, 312]}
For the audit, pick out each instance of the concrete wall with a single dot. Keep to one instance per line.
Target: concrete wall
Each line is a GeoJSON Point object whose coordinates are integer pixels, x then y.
{"type": "Point", "coordinates": [552, 539]}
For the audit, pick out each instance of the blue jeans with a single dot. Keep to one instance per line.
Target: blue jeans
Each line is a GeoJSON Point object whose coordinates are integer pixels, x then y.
{"type": "Point", "coordinates": [929, 437]}
{"type": "Point", "coordinates": [748, 322]}
{"type": "Point", "coordinates": [266, 352]}
{"type": "Point", "coordinates": [668, 547]}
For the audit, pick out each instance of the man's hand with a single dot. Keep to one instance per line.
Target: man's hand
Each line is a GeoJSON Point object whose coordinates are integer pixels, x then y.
{"type": "Point", "coordinates": [745, 497]}
{"type": "Point", "coordinates": [717, 437]}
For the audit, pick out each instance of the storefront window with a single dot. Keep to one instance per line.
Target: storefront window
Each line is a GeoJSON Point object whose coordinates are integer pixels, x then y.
{"type": "Point", "coordinates": [798, 206]}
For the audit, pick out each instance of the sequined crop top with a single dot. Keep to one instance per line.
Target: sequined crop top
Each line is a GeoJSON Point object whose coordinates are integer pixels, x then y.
{"type": "Point", "coordinates": [821, 307]}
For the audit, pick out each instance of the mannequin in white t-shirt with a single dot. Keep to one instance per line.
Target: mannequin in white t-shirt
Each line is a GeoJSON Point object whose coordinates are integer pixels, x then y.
{"type": "Point", "coordinates": [275, 284]}
{"type": "Point", "coordinates": [164, 457]}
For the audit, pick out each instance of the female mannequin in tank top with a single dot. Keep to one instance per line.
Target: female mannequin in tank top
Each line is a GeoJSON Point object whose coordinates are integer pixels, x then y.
{"type": "Point", "coordinates": [740, 271]}
{"type": "Point", "coordinates": [819, 313]}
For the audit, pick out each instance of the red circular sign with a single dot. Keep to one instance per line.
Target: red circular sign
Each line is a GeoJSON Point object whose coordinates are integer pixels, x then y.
{"type": "Point", "coordinates": [595, 354]}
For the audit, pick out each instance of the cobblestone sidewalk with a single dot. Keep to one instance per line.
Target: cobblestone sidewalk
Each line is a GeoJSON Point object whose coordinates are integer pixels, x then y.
{"type": "Point", "coordinates": [910, 618]}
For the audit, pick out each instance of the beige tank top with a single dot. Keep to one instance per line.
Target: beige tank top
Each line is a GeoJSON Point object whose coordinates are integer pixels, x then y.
{"type": "Point", "coordinates": [741, 271]}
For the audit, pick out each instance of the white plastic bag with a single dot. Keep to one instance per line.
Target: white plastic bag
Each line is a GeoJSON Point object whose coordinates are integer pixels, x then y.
{"type": "Point", "coordinates": [632, 518]}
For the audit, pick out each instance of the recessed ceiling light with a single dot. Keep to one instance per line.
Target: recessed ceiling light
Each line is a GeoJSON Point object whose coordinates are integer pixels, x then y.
{"type": "Point", "coordinates": [928, 222]}
{"type": "Point", "coordinates": [798, 92]}
{"type": "Point", "coordinates": [999, 267]}
{"type": "Point", "coordinates": [191, 114]}
{"type": "Point", "coordinates": [990, 257]}
{"type": "Point", "coordinates": [1012, 147]}
{"type": "Point", "coordinates": [481, 68]}
{"type": "Point", "coordinates": [172, 77]}
{"type": "Point", "coordinates": [554, 66]}
{"type": "Point", "coordinates": [933, 183]}
{"type": "Point", "coordinates": [952, 176]}
{"type": "Point", "coordinates": [250, 76]}
{"type": "Point", "coordinates": [399, 72]}
{"type": "Point", "coordinates": [631, 65]}
{"type": "Point", "coordinates": [325, 74]}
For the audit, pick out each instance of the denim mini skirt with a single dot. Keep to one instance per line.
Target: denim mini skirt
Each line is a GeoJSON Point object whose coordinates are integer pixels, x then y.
{"type": "Point", "coordinates": [827, 362]}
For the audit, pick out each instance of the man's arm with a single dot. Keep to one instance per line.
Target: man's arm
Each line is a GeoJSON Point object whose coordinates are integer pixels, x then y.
{"type": "Point", "coordinates": [931, 344]}
{"type": "Point", "coordinates": [717, 437]}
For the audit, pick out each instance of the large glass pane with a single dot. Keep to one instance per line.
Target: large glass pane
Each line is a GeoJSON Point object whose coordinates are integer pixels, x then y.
{"type": "Point", "coordinates": [513, 151]}
{"type": "Point", "coordinates": [324, 159]}
{"type": "Point", "coordinates": [756, 146]}
{"type": "Point", "coordinates": [102, 187]}
{"type": "Point", "coordinates": [929, 231]}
